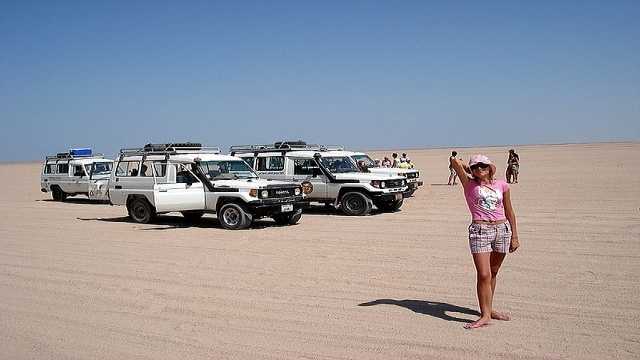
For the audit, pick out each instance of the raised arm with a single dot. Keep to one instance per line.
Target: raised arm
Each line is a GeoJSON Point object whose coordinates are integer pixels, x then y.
{"type": "Point", "coordinates": [458, 167]}
{"type": "Point", "coordinates": [511, 216]}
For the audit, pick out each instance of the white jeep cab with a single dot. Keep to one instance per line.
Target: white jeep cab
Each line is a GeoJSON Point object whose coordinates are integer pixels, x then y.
{"type": "Point", "coordinates": [76, 172]}
{"type": "Point", "coordinates": [193, 180]}
{"type": "Point", "coordinates": [412, 175]}
{"type": "Point", "coordinates": [328, 176]}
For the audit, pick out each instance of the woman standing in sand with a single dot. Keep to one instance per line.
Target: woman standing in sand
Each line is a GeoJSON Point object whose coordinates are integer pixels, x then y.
{"type": "Point", "coordinates": [492, 232]}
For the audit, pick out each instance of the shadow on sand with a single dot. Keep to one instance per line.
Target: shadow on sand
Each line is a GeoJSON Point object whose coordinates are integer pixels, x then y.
{"type": "Point", "coordinates": [432, 308]}
{"type": "Point", "coordinates": [330, 210]}
{"type": "Point", "coordinates": [178, 222]}
{"type": "Point", "coordinates": [83, 201]}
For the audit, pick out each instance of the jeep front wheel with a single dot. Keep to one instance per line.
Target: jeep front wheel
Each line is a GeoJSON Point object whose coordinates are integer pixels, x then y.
{"type": "Point", "coordinates": [288, 218]}
{"type": "Point", "coordinates": [141, 211]}
{"type": "Point", "coordinates": [356, 204]}
{"type": "Point", "coordinates": [233, 217]}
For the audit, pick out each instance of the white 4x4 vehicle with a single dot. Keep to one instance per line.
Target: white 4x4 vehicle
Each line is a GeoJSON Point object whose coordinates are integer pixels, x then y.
{"type": "Point", "coordinates": [187, 178]}
{"type": "Point", "coordinates": [76, 172]}
{"type": "Point", "coordinates": [328, 176]}
{"type": "Point", "coordinates": [412, 175]}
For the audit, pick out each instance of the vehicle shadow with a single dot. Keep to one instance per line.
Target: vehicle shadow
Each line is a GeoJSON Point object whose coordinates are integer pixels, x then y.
{"type": "Point", "coordinates": [83, 201]}
{"type": "Point", "coordinates": [443, 184]}
{"type": "Point", "coordinates": [431, 308]}
{"type": "Point", "coordinates": [330, 210]}
{"type": "Point", "coordinates": [169, 222]}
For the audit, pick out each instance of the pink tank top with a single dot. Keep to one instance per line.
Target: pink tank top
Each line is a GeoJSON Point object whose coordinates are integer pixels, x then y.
{"type": "Point", "coordinates": [485, 201]}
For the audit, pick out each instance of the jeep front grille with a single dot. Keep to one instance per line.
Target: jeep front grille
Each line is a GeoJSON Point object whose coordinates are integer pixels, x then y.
{"type": "Point", "coordinates": [394, 183]}
{"type": "Point", "coordinates": [281, 192]}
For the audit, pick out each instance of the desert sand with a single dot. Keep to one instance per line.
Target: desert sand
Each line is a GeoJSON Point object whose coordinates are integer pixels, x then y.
{"type": "Point", "coordinates": [79, 281]}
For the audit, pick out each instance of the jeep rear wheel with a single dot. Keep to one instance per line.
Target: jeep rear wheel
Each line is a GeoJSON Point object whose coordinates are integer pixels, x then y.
{"type": "Point", "coordinates": [291, 218]}
{"type": "Point", "coordinates": [141, 211]}
{"type": "Point", "coordinates": [356, 204]}
{"type": "Point", "coordinates": [193, 215]}
{"type": "Point", "coordinates": [389, 206]}
{"type": "Point", "coordinates": [233, 217]}
{"type": "Point", "coordinates": [57, 194]}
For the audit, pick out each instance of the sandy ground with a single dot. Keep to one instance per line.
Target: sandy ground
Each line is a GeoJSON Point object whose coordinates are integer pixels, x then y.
{"type": "Point", "coordinates": [79, 281]}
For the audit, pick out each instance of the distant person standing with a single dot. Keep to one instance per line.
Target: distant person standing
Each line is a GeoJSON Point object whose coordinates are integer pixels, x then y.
{"type": "Point", "coordinates": [513, 167]}
{"type": "Point", "coordinates": [404, 157]}
{"type": "Point", "coordinates": [395, 161]}
{"type": "Point", "coordinates": [386, 162]}
{"type": "Point", "coordinates": [492, 233]}
{"type": "Point", "coordinates": [452, 172]}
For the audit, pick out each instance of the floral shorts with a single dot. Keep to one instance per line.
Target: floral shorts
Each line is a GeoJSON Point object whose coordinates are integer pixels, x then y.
{"type": "Point", "coordinates": [490, 237]}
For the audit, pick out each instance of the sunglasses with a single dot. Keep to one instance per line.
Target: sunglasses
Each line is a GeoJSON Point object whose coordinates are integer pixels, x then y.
{"type": "Point", "coordinates": [480, 166]}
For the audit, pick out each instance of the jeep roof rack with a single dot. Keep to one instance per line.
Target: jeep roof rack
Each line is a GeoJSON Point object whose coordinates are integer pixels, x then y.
{"type": "Point", "coordinates": [283, 146]}
{"type": "Point", "coordinates": [77, 153]}
{"type": "Point", "coordinates": [170, 149]}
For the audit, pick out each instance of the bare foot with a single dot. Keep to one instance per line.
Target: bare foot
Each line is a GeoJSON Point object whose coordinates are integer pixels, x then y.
{"type": "Point", "coordinates": [477, 324]}
{"type": "Point", "coordinates": [500, 316]}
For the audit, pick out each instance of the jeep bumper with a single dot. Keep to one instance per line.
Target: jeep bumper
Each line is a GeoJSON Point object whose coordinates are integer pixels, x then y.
{"type": "Point", "coordinates": [388, 197]}
{"type": "Point", "coordinates": [271, 207]}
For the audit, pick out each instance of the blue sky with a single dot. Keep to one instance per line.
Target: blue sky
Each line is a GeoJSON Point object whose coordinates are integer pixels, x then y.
{"type": "Point", "coordinates": [364, 74]}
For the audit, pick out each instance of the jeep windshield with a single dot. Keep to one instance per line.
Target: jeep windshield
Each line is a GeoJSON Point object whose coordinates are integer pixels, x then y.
{"type": "Point", "coordinates": [226, 169]}
{"type": "Point", "coordinates": [98, 168]}
{"type": "Point", "coordinates": [339, 164]}
{"type": "Point", "coordinates": [364, 158]}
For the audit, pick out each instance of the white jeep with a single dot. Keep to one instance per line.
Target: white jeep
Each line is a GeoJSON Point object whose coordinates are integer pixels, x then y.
{"type": "Point", "coordinates": [187, 178]}
{"type": "Point", "coordinates": [412, 175]}
{"type": "Point", "coordinates": [76, 172]}
{"type": "Point", "coordinates": [328, 176]}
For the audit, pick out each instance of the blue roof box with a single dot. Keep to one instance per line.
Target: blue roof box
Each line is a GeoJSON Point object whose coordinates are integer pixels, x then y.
{"type": "Point", "coordinates": [80, 152]}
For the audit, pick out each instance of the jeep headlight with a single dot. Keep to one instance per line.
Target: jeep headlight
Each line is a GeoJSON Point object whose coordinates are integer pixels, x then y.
{"type": "Point", "coordinates": [382, 185]}
{"type": "Point", "coordinates": [264, 193]}
{"type": "Point", "coordinates": [297, 191]}
{"type": "Point", "coordinates": [375, 183]}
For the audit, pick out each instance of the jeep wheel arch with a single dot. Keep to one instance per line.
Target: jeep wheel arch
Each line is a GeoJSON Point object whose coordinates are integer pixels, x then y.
{"type": "Point", "coordinates": [140, 209]}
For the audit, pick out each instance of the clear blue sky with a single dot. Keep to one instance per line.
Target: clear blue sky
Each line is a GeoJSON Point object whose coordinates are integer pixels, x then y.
{"type": "Point", "coordinates": [364, 74]}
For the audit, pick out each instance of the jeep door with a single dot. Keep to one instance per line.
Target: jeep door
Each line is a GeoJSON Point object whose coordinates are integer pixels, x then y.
{"type": "Point", "coordinates": [177, 189]}
{"type": "Point", "coordinates": [125, 182]}
{"type": "Point", "coordinates": [79, 179]}
{"type": "Point", "coordinates": [305, 169]}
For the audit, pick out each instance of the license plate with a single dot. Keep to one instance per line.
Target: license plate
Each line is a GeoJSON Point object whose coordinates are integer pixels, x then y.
{"type": "Point", "coordinates": [398, 196]}
{"type": "Point", "coordinates": [287, 208]}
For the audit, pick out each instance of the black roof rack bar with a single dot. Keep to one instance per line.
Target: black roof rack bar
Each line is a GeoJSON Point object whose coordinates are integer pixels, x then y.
{"type": "Point", "coordinates": [260, 148]}
{"type": "Point", "coordinates": [67, 156]}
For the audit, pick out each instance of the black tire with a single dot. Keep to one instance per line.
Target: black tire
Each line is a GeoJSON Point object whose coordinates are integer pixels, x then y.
{"type": "Point", "coordinates": [234, 217]}
{"type": "Point", "coordinates": [58, 194]}
{"type": "Point", "coordinates": [390, 206]}
{"type": "Point", "coordinates": [291, 218]}
{"type": "Point", "coordinates": [193, 215]}
{"type": "Point", "coordinates": [141, 211]}
{"type": "Point", "coordinates": [356, 204]}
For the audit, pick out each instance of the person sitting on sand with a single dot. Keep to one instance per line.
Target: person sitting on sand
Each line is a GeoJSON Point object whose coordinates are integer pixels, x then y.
{"type": "Point", "coordinates": [492, 232]}
{"type": "Point", "coordinates": [513, 167]}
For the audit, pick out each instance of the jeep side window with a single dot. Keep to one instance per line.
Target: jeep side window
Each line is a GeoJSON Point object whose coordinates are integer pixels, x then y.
{"type": "Point", "coordinates": [270, 163]}
{"type": "Point", "coordinates": [63, 168]}
{"type": "Point", "coordinates": [250, 161]}
{"type": "Point", "coordinates": [185, 176]}
{"type": "Point", "coordinates": [146, 169]}
{"type": "Point", "coordinates": [127, 168]}
{"type": "Point", "coordinates": [78, 170]}
{"type": "Point", "coordinates": [160, 167]}
{"type": "Point", "coordinates": [48, 169]}
{"type": "Point", "coordinates": [304, 166]}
